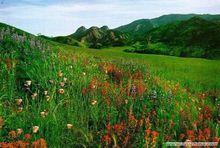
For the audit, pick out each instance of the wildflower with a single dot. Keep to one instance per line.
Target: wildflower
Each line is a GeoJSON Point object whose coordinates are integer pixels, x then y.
{"type": "Point", "coordinates": [19, 131]}
{"type": "Point", "coordinates": [35, 129]}
{"type": "Point", "coordinates": [33, 96]}
{"type": "Point", "coordinates": [182, 136]}
{"type": "Point", "coordinates": [18, 101]}
{"type": "Point", "coordinates": [190, 134]}
{"type": "Point", "coordinates": [51, 81]}
{"type": "Point", "coordinates": [27, 136]}
{"type": "Point", "coordinates": [44, 113]}
{"type": "Point", "coordinates": [28, 83]}
{"type": "Point", "coordinates": [45, 93]}
{"type": "Point", "coordinates": [155, 134]}
{"type": "Point", "coordinates": [61, 91]}
{"type": "Point", "coordinates": [41, 143]}
{"type": "Point", "coordinates": [62, 84]}
{"type": "Point", "coordinates": [126, 101]}
{"type": "Point", "coordinates": [12, 134]}
{"type": "Point", "coordinates": [106, 138]}
{"type": "Point", "coordinates": [69, 126]}
{"type": "Point", "coordinates": [84, 73]}
{"type": "Point", "coordinates": [71, 67]}
{"type": "Point", "coordinates": [60, 74]}
{"type": "Point", "coordinates": [103, 92]}
{"type": "Point", "coordinates": [47, 97]}
{"type": "Point", "coordinates": [84, 91]}
{"type": "Point", "coordinates": [119, 128]}
{"type": "Point", "coordinates": [20, 109]}
{"type": "Point", "coordinates": [93, 102]}
{"type": "Point", "coordinates": [64, 79]}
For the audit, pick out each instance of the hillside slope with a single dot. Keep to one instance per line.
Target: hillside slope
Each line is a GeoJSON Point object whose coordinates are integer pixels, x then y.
{"type": "Point", "coordinates": [137, 29]}
{"type": "Point", "coordinates": [195, 37]}
{"type": "Point", "coordinates": [94, 37]}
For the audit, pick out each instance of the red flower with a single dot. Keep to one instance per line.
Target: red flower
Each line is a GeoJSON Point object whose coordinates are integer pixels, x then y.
{"type": "Point", "coordinates": [27, 136]}
{"type": "Point", "coordinates": [182, 136]}
{"type": "Point", "coordinates": [106, 138]}
{"type": "Point", "coordinates": [103, 92]}
{"type": "Point", "coordinates": [84, 90]}
{"type": "Point", "coordinates": [190, 134]}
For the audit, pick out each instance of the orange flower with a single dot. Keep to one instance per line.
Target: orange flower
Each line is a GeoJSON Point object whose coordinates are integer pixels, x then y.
{"type": "Point", "coordinates": [12, 134]}
{"type": "Point", "coordinates": [155, 134]}
{"type": "Point", "coordinates": [106, 138]}
{"type": "Point", "coordinates": [41, 143]}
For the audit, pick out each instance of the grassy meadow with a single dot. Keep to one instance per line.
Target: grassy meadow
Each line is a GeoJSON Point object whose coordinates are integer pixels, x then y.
{"type": "Point", "coordinates": [77, 97]}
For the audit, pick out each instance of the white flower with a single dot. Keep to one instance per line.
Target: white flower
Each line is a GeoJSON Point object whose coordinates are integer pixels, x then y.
{"type": "Point", "coordinates": [47, 97]}
{"type": "Point", "coordinates": [69, 126]}
{"type": "Point", "coordinates": [28, 83]}
{"type": "Point", "coordinates": [45, 93]}
{"type": "Point", "coordinates": [64, 79]}
{"type": "Point", "coordinates": [35, 129]}
{"type": "Point", "coordinates": [34, 95]}
{"type": "Point", "coordinates": [94, 102]}
{"type": "Point", "coordinates": [19, 131]}
{"type": "Point", "coordinates": [18, 101]}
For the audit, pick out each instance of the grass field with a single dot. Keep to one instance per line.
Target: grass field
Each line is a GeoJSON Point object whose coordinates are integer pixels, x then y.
{"type": "Point", "coordinates": [74, 97]}
{"type": "Point", "coordinates": [197, 74]}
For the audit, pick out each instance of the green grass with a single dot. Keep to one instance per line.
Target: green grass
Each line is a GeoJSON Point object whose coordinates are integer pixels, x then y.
{"type": "Point", "coordinates": [195, 73]}
{"type": "Point", "coordinates": [110, 98]}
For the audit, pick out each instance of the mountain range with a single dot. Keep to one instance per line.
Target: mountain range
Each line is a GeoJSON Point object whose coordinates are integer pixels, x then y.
{"type": "Point", "coordinates": [174, 30]}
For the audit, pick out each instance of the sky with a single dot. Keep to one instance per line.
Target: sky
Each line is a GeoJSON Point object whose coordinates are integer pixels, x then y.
{"type": "Point", "coordinates": [63, 17]}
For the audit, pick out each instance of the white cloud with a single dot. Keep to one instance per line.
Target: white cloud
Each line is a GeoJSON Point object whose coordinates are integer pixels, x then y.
{"type": "Point", "coordinates": [60, 19]}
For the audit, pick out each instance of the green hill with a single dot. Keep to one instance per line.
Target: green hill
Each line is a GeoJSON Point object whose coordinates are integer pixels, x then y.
{"type": "Point", "coordinates": [139, 28]}
{"type": "Point", "coordinates": [195, 37]}
{"type": "Point", "coordinates": [94, 37]}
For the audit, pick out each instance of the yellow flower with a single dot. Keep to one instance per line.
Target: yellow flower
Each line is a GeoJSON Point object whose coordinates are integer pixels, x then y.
{"type": "Point", "coordinates": [35, 129]}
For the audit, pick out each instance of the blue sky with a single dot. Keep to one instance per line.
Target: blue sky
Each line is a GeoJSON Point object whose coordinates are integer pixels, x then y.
{"type": "Point", "coordinates": [62, 17]}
